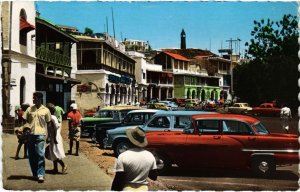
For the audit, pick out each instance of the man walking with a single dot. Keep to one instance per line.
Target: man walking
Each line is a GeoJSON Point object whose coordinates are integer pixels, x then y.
{"type": "Point", "coordinates": [135, 165]}
{"type": "Point", "coordinates": [74, 118]}
{"type": "Point", "coordinates": [285, 116]}
{"type": "Point", "coordinates": [38, 118]}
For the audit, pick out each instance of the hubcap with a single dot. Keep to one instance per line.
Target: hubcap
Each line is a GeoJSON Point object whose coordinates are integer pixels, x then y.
{"type": "Point", "coordinates": [263, 166]}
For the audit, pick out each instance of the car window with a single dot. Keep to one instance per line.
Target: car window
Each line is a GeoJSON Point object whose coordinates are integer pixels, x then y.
{"type": "Point", "coordinates": [182, 122]}
{"type": "Point", "coordinates": [260, 129]}
{"type": "Point", "coordinates": [160, 122]}
{"type": "Point", "coordinates": [208, 126]}
{"type": "Point", "coordinates": [236, 127]}
{"type": "Point", "coordinates": [104, 113]}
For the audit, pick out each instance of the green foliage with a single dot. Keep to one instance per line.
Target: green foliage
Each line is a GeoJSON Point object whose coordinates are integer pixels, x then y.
{"type": "Point", "coordinates": [88, 31]}
{"type": "Point", "coordinates": [272, 71]}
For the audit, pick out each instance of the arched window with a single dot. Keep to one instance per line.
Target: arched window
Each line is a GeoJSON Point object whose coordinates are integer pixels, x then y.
{"type": "Point", "coordinates": [23, 33]}
{"type": "Point", "coordinates": [22, 90]}
{"type": "Point", "coordinates": [25, 27]}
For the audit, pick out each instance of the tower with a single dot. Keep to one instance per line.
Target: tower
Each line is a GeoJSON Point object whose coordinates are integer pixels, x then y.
{"type": "Point", "coordinates": [183, 44]}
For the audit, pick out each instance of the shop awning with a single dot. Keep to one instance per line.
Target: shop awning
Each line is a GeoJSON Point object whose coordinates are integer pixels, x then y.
{"type": "Point", "coordinates": [59, 79]}
{"type": "Point", "coordinates": [25, 26]}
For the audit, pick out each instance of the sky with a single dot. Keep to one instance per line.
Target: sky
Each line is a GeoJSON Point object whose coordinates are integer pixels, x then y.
{"type": "Point", "coordinates": [208, 25]}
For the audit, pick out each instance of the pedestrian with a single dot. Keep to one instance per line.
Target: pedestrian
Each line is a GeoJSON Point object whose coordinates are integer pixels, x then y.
{"type": "Point", "coordinates": [285, 117]}
{"type": "Point", "coordinates": [59, 112]}
{"type": "Point", "coordinates": [22, 135]}
{"type": "Point", "coordinates": [135, 165]}
{"type": "Point", "coordinates": [56, 149]}
{"type": "Point", "coordinates": [38, 118]}
{"type": "Point", "coordinates": [74, 118]}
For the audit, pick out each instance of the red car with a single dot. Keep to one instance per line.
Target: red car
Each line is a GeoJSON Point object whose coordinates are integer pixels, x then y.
{"type": "Point", "coordinates": [266, 109]}
{"type": "Point", "coordinates": [224, 141]}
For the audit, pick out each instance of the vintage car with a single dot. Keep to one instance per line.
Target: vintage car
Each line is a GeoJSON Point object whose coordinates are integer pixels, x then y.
{"type": "Point", "coordinates": [106, 118]}
{"type": "Point", "coordinates": [224, 141]}
{"type": "Point", "coordinates": [172, 105]}
{"type": "Point", "coordinates": [240, 108]}
{"type": "Point", "coordinates": [191, 103]}
{"type": "Point", "coordinates": [160, 121]}
{"type": "Point", "coordinates": [266, 109]}
{"type": "Point", "coordinates": [158, 105]}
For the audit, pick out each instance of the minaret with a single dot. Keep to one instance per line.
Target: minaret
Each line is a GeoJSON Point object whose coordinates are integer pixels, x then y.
{"type": "Point", "coordinates": [183, 44]}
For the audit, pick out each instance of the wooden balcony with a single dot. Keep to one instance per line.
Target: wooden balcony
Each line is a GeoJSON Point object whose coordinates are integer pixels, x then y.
{"type": "Point", "coordinates": [52, 57]}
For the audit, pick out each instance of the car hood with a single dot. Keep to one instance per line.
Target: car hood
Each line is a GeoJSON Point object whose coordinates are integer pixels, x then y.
{"type": "Point", "coordinates": [121, 129]}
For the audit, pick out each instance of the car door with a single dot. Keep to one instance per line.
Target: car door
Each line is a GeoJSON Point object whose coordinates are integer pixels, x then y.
{"type": "Point", "coordinates": [237, 139]}
{"type": "Point", "coordinates": [203, 148]}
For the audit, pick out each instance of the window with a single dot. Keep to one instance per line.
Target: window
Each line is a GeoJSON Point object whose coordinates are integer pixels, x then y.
{"type": "Point", "coordinates": [160, 122]}
{"type": "Point", "coordinates": [182, 122]}
{"type": "Point", "coordinates": [236, 127]}
{"type": "Point", "coordinates": [208, 126]}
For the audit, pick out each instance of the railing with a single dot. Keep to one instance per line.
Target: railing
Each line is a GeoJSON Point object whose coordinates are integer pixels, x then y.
{"type": "Point", "coordinates": [52, 56]}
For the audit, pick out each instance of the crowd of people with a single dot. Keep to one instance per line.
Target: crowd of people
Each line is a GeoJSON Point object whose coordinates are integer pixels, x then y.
{"type": "Point", "coordinates": [40, 125]}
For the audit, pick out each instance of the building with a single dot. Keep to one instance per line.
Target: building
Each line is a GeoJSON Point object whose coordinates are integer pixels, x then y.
{"type": "Point", "coordinates": [136, 45]}
{"type": "Point", "coordinates": [106, 72]}
{"type": "Point", "coordinates": [54, 63]}
{"type": "Point", "coordinates": [18, 57]}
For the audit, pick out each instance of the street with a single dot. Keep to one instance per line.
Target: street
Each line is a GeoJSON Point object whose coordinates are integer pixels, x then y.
{"type": "Point", "coordinates": [285, 179]}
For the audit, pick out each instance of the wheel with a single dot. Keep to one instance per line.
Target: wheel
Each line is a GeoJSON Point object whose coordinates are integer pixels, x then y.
{"type": "Point", "coordinates": [163, 163]}
{"type": "Point", "coordinates": [263, 166]}
{"type": "Point", "coordinates": [120, 147]}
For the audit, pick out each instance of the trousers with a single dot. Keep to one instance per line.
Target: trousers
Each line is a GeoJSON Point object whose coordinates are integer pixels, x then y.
{"type": "Point", "coordinates": [36, 154]}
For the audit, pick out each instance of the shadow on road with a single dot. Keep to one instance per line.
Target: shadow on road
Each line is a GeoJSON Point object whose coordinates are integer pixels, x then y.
{"type": "Point", "coordinates": [20, 177]}
{"type": "Point", "coordinates": [280, 174]}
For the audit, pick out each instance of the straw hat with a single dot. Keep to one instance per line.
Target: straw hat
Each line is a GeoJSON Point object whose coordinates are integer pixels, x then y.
{"type": "Point", "coordinates": [137, 136]}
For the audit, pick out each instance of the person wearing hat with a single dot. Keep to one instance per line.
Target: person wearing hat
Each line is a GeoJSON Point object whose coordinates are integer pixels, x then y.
{"type": "Point", "coordinates": [74, 118]}
{"type": "Point", "coordinates": [135, 165]}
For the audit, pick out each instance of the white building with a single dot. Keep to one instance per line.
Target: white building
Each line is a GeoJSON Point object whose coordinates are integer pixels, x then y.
{"type": "Point", "coordinates": [19, 62]}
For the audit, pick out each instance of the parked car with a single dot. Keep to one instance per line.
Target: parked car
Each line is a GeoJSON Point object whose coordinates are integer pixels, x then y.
{"type": "Point", "coordinates": [158, 105]}
{"type": "Point", "coordinates": [224, 141]}
{"type": "Point", "coordinates": [191, 103]}
{"type": "Point", "coordinates": [106, 118]}
{"type": "Point", "coordinates": [266, 109]}
{"type": "Point", "coordinates": [240, 108]}
{"type": "Point", "coordinates": [160, 121]}
{"type": "Point", "coordinates": [170, 104]}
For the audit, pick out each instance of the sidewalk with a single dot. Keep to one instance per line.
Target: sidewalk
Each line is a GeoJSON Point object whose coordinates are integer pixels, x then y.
{"type": "Point", "coordinates": [82, 174]}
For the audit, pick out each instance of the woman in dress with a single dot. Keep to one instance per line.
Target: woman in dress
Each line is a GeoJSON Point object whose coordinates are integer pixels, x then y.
{"type": "Point", "coordinates": [56, 148]}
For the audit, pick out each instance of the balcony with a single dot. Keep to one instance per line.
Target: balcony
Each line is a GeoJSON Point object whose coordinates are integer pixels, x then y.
{"type": "Point", "coordinates": [52, 57]}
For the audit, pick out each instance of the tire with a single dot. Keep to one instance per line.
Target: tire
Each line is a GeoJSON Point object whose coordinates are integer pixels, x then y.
{"type": "Point", "coordinates": [263, 166]}
{"type": "Point", "coordinates": [163, 163]}
{"type": "Point", "coordinates": [120, 147]}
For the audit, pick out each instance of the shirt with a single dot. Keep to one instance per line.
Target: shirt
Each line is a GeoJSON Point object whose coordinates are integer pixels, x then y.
{"type": "Point", "coordinates": [136, 163]}
{"type": "Point", "coordinates": [75, 118]}
{"type": "Point", "coordinates": [37, 119]}
{"type": "Point", "coordinates": [58, 113]}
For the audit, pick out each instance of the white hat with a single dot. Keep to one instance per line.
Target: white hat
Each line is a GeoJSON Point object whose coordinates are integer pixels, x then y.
{"type": "Point", "coordinates": [74, 106]}
{"type": "Point", "coordinates": [137, 136]}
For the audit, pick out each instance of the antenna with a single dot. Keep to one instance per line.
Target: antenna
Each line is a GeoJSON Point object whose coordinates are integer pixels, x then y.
{"type": "Point", "coordinates": [121, 36]}
{"type": "Point", "coordinates": [106, 25]}
{"type": "Point", "coordinates": [113, 20]}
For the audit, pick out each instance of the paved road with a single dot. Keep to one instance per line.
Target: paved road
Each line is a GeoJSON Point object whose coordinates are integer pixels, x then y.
{"type": "Point", "coordinates": [82, 174]}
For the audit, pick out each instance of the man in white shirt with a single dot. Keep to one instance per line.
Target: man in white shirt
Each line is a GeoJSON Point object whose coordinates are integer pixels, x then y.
{"type": "Point", "coordinates": [285, 116]}
{"type": "Point", "coordinates": [135, 165]}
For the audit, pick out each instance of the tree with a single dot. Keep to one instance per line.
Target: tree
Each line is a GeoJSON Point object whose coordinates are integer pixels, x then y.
{"type": "Point", "coordinates": [88, 31]}
{"type": "Point", "coordinates": [272, 71]}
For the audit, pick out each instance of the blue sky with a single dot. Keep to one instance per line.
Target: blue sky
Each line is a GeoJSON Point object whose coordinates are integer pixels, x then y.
{"type": "Point", "coordinates": [207, 24]}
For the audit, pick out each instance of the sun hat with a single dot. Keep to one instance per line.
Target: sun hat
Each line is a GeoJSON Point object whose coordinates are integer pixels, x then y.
{"type": "Point", "coordinates": [137, 136]}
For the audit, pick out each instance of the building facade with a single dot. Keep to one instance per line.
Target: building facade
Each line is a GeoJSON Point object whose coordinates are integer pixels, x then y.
{"type": "Point", "coordinates": [18, 55]}
{"type": "Point", "coordinates": [106, 72]}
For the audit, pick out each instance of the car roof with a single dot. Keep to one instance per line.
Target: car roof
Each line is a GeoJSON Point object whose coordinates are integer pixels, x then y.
{"type": "Point", "coordinates": [182, 112]}
{"type": "Point", "coordinates": [245, 118]}
{"type": "Point", "coordinates": [143, 111]}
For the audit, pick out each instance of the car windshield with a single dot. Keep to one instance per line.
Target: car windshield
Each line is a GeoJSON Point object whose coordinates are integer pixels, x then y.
{"type": "Point", "coordinates": [260, 129]}
{"type": "Point", "coordinates": [104, 114]}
